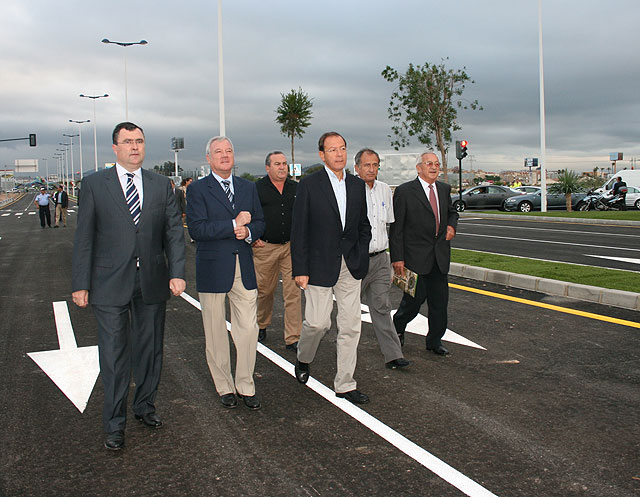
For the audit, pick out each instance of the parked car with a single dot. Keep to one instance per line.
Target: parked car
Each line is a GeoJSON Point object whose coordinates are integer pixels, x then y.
{"type": "Point", "coordinates": [533, 201]}
{"type": "Point", "coordinates": [633, 197]}
{"type": "Point", "coordinates": [483, 197]}
{"type": "Point", "coordinates": [527, 189]}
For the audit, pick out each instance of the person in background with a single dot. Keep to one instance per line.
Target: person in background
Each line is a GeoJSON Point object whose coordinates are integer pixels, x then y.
{"type": "Point", "coordinates": [272, 251]}
{"type": "Point", "coordinates": [61, 201]}
{"type": "Point", "coordinates": [42, 202]}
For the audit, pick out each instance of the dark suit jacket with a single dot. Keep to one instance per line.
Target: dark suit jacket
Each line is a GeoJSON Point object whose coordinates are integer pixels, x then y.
{"type": "Point", "coordinates": [412, 236]}
{"type": "Point", "coordinates": [107, 241]}
{"type": "Point", "coordinates": [209, 217]}
{"type": "Point", "coordinates": [64, 201]}
{"type": "Point", "coordinates": [318, 241]}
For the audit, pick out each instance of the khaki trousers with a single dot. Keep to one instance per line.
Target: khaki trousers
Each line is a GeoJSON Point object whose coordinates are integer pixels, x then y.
{"type": "Point", "coordinates": [244, 332]}
{"type": "Point", "coordinates": [270, 261]}
{"type": "Point", "coordinates": [61, 214]}
{"type": "Point", "coordinates": [317, 320]}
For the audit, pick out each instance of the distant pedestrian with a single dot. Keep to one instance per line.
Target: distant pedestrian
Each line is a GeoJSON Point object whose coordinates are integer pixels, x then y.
{"type": "Point", "coordinates": [61, 201]}
{"type": "Point", "coordinates": [42, 201]}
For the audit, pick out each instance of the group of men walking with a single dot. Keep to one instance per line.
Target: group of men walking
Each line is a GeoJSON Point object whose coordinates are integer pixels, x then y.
{"type": "Point", "coordinates": [60, 204]}
{"type": "Point", "coordinates": [326, 236]}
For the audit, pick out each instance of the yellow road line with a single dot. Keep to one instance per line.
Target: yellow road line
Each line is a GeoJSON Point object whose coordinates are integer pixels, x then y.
{"type": "Point", "coordinates": [551, 307]}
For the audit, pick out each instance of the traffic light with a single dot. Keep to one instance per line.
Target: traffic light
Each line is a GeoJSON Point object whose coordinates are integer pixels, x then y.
{"type": "Point", "coordinates": [32, 139]}
{"type": "Point", "coordinates": [461, 149]}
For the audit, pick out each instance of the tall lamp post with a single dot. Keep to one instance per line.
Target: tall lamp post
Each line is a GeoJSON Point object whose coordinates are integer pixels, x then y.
{"type": "Point", "coordinates": [79, 123]}
{"type": "Point", "coordinates": [57, 158]}
{"type": "Point", "coordinates": [72, 170]}
{"type": "Point", "coordinates": [95, 139]}
{"type": "Point", "coordinates": [66, 164]}
{"type": "Point", "coordinates": [125, 44]}
{"type": "Point", "coordinates": [62, 153]}
{"type": "Point", "coordinates": [46, 178]}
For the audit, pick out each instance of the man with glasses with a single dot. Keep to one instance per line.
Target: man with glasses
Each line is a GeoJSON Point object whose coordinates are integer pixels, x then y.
{"type": "Point", "coordinates": [375, 286]}
{"type": "Point", "coordinates": [128, 258]}
{"type": "Point", "coordinates": [330, 237]}
{"type": "Point", "coordinates": [420, 240]}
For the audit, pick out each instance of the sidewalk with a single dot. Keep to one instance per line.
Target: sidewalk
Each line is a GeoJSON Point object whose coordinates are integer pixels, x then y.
{"type": "Point", "coordinates": [606, 296]}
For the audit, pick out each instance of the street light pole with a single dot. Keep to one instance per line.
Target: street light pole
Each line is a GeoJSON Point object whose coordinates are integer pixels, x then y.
{"type": "Point", "coordinates": [46, 178]}
{"type": "Point", "coordinates": [66, 165]}
{"type": "Point", "coordinates": [126, 91]}
{"type": "Point", "coordinates": [79, 123]}
{"type": "Point", "coordinates": [72, 171]}
{"type": "Point", "coordinates": [95, 139]}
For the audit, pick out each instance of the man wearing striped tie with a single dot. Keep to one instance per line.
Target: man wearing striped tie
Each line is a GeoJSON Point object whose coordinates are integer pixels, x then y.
{"type": "Point", "coordinates": [128, 258]}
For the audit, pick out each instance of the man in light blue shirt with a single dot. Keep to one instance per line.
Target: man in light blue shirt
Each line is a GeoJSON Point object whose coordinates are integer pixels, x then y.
{"type": "Point", "coordinates": [42, 201]}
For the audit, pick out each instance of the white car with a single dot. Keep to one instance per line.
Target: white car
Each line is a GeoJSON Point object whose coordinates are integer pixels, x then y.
{"type": "Point", "coordinates": [633, 197]}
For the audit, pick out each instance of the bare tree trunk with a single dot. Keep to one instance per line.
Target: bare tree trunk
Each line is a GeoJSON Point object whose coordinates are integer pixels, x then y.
{"type": "Point", "coordinates": [293, 161]}
{"type": "Point", "coordinates": [567, 201]}
{"type": "Point", "coordinates": [443, 153]}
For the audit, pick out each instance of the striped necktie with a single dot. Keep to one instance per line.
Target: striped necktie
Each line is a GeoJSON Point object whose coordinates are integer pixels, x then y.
{"type": "Point", "coordinates": [133, 200]}
{"type": "Point", "coordinates": [227, 190]}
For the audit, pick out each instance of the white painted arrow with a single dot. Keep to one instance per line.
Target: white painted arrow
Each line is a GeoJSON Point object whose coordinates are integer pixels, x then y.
{"type": "Point", "coordinates": [420, 326]}
{"type": "Point", "coordinates": [74, 370]}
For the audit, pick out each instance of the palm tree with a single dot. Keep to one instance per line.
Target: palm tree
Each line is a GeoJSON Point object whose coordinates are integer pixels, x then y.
{"type": "Point", "coordinates": [294, 115]}
{"type": "Point", "coordinates": [568, 182]}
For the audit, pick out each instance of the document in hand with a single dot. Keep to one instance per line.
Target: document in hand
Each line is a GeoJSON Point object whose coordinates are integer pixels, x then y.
{"type": "Point", "coordinates": [407, 283]}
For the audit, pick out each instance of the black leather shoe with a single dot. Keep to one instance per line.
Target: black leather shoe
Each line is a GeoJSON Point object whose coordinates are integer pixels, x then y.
{"type": "Point", "coordinates": [114, 440]}
{"type": "Point", "coordinates": [251, 402]}
{"type": "Point", "coordinates": [228, 400]}
{"type": "Point", "coordinates": [401, 338]}
{"type": "Point", "coordinates": [152, 420]}
{"type": "Point", "coordinates": [302, 371]}
{"type": "Point", "coordinates": [292, 346]}
{"type": "Point", "coordinates": [262, 334]}
{"type": "Point", "coordinates": [398, 363]}
{"type": "Point", "coordinates": [354, 396]}
{"type": "Point", "coordinates": [440, 350]}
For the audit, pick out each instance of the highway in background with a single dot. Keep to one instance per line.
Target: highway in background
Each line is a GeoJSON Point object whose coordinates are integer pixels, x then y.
{"type": "Point", "coordinates": [611, 246]}
{"type": "Point", "coordinates": [538, 398]}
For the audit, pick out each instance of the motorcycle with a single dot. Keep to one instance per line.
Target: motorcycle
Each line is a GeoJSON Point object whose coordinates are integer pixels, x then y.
{"type": "Point", "coordinates": [603, 201]}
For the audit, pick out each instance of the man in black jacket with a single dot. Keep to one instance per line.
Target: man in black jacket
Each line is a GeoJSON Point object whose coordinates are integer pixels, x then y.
{"type": "Point", "coordinates": [61, 201]}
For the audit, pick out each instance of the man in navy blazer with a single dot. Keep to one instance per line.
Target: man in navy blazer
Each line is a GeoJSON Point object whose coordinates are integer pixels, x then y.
{"type": "Point", "coordinates": [330, 236]}
{"type": "Point", "coordinates": [126, 260]}
{"type": "Point", "coordinates": [224, 216]}
{"type": "Point", "coordinates": [420, 239]}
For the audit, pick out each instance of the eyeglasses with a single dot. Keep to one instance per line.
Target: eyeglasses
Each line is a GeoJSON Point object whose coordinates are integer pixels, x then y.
{"type": "Point", "coordinates": [431, 163]}
{"type": "Point", "coordinates": [129, 142]}
{"type": "Point", "coordinates": [333, 150]}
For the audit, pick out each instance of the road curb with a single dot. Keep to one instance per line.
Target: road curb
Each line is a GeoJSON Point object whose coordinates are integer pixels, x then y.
{"type": "Point", "coordinates": [526, 217]}
{"type": "Point", "coordinates": [606, 296]}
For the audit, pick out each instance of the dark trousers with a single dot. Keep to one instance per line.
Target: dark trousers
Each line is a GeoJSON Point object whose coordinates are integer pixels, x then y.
{"type": "Point", "coordinates": [43, 211]}
{"type": "Point", "coordinates": [130, 337]}
{"type": "Point", "coordinates": [434, 288]}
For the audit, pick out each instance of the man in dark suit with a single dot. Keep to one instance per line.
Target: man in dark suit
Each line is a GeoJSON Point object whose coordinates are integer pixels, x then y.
{"type": "Point", "coordinates": [224, 216]}
{"type": "Point", "coordinates": [61, 201]}
{"type": "Point", "coordinates": [420, 240]}
{"type": "Point", "coordinates": [330, 237]}
{"type": "Point", "coordinates": [128, 257]}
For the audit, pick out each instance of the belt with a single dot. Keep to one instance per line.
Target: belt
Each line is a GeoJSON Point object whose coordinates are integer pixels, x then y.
{"type": "Point", "coordinates": [276, 243]}
{"type": "Point", "coordinates": [373, 254]}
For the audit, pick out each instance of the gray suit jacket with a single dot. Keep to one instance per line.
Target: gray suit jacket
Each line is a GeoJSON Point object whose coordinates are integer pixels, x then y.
{"type": "Point", "coordinates": [107, 241]}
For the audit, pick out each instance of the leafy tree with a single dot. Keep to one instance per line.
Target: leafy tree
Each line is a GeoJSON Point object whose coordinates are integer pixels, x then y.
{"type": "Point", "coordinates": [425, 105]}
{"type": "Point", "coordinates": [168, 168]}
{"type": "Point", "coordinates": [312, 169]}
{"type": "Point", "coordinates": [568, 182]}
{"type": "Point", "coordinates": [250, 177]}
{"type": "Point", "coordinates": [294, 115]}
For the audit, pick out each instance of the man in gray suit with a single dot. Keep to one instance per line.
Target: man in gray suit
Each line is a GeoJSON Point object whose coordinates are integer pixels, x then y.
{"type": "Point", "coordinates": [128, 257]}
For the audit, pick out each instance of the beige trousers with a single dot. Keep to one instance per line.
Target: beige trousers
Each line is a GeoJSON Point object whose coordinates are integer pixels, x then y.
{"type": "Point", "coordinates": [270, 261]}
{"type": "Point", "coordinates": [317, 320]}
{"type": "Point", "coordinates": [244, 332]}
{"type": "Point", "coordinates": [61, 213]}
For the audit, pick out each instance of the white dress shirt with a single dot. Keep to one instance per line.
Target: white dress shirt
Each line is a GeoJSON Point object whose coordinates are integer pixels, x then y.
{"type": "Point", "coordinates": [380, 213]}
{"type": "Point", "coordinates": [220, 179]}
{"type": "Point", "coordinates": [425, 187]}
{"type": "Point", "coordinates": [340, 191]}
{"type": "Point", "coordinates": [137, 180]}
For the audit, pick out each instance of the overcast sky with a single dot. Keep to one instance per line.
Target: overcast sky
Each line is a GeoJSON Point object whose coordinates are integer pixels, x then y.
{"type": "Point", "coordinates": [335, 50]}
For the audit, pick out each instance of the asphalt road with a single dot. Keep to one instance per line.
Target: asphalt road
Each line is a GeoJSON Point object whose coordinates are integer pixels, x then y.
{"type": "Point", "coordinates": [548, 407]}
{"type": "Point", "coordinates": [610, 246]}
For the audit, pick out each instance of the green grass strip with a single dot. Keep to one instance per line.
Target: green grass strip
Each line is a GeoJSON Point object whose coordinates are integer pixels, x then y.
{"type": "Point", "coordinates": [585, 275]}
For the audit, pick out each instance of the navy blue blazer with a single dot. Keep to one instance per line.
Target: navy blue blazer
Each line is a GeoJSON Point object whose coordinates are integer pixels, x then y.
{"type": "Point", "coordinates": [210, 220]}
{"type": "Point", "coordinates": [318, 241]}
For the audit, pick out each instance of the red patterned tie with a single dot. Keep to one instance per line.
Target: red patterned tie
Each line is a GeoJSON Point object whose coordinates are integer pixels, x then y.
{"type": "Point", "coordinates": [434, 206]}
